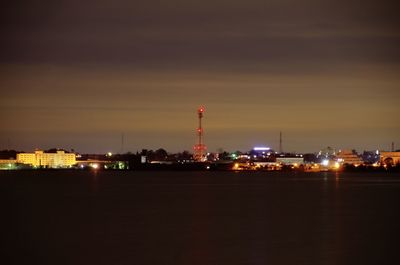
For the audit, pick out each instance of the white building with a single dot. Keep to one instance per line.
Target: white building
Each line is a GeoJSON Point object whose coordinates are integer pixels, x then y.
{"type": "Point", "coordinates": [292, 161]}
{"type": "Point", "coordinates": [348, 157]}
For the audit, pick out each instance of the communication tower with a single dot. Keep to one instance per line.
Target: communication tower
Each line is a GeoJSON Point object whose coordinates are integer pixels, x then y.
{"type": "Point", "coordinates": [200, 148]}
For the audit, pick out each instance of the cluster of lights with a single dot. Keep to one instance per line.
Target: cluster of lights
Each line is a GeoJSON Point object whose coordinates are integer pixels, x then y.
{"type": "Point", "coordinates": [326, 163]}
{"type": "Point", "coordinates": [261, 148]}
{"type": "Point", "coordinates": [200, 147]}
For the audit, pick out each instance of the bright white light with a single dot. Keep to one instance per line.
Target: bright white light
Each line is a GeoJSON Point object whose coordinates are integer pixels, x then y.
{"type": "Point", "coordinates": [261, 148]}
{"type": "Point", "coordinates": [109, 154]}
{"type": "Point", "coordinates": [95, 166]}
{"type": "Point", "coordinates": [325, 162]}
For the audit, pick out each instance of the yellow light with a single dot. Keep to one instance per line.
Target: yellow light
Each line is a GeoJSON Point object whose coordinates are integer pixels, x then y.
{"type": "Point", "coordinates": [236, 166]}
{"type": "Point", "coordinates": [337, 165]}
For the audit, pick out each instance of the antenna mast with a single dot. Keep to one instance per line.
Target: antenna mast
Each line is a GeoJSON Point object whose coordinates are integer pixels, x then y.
{"type": "Point", "coordinates": [200, 148]}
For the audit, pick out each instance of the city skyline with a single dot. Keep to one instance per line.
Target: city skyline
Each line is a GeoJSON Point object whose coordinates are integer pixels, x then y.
{"type": "Point", "coordinates": [79, 75]}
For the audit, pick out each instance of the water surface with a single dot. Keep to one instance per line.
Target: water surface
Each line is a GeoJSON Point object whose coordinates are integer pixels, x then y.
{"type": "Point", "coordinates": [129, 217]}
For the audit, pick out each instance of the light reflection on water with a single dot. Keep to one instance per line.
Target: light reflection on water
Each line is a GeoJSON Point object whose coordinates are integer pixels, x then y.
{"type": "Point", "coordinates": [77, 217]}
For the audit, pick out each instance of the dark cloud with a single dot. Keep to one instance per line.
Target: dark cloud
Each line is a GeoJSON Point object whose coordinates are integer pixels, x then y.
{"type": "Point", "coordinates": [200, 32]}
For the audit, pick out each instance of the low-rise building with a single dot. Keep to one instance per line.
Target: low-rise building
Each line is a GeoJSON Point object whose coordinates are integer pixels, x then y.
{"type": "Point", "coordinates": [7, 163]}
{"type": "Point", "coordinates": [349, 157]}
{"type": "Point", "coordinates": [292, 161]}
{"type": "Point", "coordinates": [389, 158]}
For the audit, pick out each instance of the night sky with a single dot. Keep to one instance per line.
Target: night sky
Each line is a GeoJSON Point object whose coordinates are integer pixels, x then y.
{"type": "Point", "coordinates": [79, 74]}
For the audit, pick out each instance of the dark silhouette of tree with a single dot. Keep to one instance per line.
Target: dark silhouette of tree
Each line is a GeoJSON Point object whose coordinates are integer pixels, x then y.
{"type": "Point", "coordinates": [7, 154]}
{"type": "Point", "coordinates": [54, 150]}
{"type": "Point", "coordinates": [185, 155]}
{"type": "Point", "coordinates": [310, 158]}
{"type": "Point", "coordinates": [160, 155]}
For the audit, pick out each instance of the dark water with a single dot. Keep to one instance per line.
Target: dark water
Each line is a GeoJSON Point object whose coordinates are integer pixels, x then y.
{"type": "Point", "coordinates": [74, 217]}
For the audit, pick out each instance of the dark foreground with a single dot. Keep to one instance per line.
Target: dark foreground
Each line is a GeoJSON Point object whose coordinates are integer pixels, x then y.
{"type": "Point", "coordinates": [74, 217]}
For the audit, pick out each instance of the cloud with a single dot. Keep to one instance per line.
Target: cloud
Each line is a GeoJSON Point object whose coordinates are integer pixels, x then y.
{"type": "Point", "coordinates": [191, 33]}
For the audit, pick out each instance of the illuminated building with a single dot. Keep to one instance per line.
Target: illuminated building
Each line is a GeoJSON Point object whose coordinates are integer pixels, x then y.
{"type": "Point", "coordinates": [60, 159]}
{"type": "Point", "coordinates": [348, 157]}
{"type": "Point", "coordinates": [260, 152]}
{"type": "Point", "coordinates": [327, 152]}
{"type": "Point", "coordinates": [390, 158]}
{"type": "Point", "coordinates": [7, 164]}
{"type": "Point", "coordinates": [292, 161]}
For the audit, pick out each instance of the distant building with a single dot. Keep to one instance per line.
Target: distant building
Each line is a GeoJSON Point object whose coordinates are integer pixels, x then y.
{"type": "Point", "coordinates": [261, 152]}
{"type": "Point", "coordinates": [60, 159]}
{"type": "Point", "coordinates": [292, 161]}
{"type": "Point", "coordinates": [7, 163]}
{"type": "Point", "coordinates": [370, 157]}
{"type": "Point", "coordinates": [348, 157]}
{"type": "Point", "coordinates": [389, 158]}
{"type": "Point", "coordinates": [327, 152]}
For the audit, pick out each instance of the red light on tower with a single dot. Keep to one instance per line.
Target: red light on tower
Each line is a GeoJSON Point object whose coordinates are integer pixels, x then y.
{"type": "Point", "coordinates": [200, 148]}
